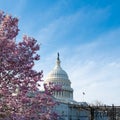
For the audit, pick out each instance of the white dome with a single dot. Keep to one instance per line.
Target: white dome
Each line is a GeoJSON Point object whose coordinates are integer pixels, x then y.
{"type": "Point", "coordinates": [59, 76]}
{"type": "Point", "coordinates": [57, 73]}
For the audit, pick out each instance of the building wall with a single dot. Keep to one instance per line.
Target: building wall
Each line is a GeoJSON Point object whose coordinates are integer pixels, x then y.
{"type": "Point", "coordinates": [74, 111]}
{"type": "Point", "coordinates": [66, 112]}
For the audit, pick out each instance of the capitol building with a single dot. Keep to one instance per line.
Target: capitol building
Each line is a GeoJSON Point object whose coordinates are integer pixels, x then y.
{"type": "Point", "coordinates": [68, 109]}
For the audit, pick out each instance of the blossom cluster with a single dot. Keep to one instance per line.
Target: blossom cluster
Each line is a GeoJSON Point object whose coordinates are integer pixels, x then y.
{"type": "Point", "coordinates": [20, 98]}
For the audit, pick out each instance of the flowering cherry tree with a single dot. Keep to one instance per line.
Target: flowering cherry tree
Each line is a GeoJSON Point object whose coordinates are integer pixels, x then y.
{"type": "Point", "coordinates": [20, 98]}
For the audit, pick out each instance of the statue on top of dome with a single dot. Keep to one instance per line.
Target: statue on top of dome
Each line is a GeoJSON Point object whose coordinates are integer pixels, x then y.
{"type": "Point", "coordinates": [58, 56]}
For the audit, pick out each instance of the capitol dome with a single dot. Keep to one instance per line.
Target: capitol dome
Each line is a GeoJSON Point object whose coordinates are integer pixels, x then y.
{"type": "Point", "coordinates": [59, 77]}
{"type": "Point", "coordinates": [57, 73]}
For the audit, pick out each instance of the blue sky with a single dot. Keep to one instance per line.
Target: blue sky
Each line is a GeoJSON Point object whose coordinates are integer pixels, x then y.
{"type": "Point", "coordinates": [87, 35]}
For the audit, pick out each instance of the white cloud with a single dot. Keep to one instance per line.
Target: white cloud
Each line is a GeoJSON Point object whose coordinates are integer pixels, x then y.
{"type": "Point", "coordinates": [83, 21]}
{"type": "Point", "coordinates": [99, 81]}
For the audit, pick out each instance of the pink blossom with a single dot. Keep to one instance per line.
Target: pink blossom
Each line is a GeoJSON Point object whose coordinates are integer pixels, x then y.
{"type": "Point", "coordinates": [19, 95]}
